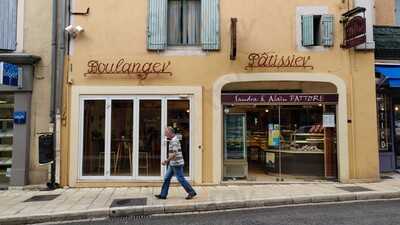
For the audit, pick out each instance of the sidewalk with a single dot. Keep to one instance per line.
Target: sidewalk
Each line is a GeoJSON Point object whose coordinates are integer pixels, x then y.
{"type": "Point", "coordinates": [95, 202]}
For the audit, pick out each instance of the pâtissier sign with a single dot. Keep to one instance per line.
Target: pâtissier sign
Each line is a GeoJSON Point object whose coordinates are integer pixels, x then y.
{"type": "Point", "coordinates": [245, 98]}
{"type": "Point", "coordinates": [271, 59]}
{"type": "Point", "coordinates": [124, 67]}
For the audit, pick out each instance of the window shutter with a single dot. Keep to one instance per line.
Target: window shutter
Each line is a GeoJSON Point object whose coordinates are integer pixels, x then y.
{"type": "Point", "coordinates": [307, 30]}
{"type": "Point", "coordinates": [327, 30]}
{"type": "Point", "coordinates": [397, 12]}
{"type": "Point", "coordinates": [157, 25]}
{"type": "Point", "coordinates": [8, 25]}
{"type": "Point", "coordinates": [210, 25]}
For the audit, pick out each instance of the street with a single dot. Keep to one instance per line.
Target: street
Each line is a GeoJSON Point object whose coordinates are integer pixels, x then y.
{"type": "Point", "coordinates": [359, 213]}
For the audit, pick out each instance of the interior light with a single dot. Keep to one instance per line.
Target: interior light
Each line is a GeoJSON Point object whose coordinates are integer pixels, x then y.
{"type": "Point", "coordinates": [320, 105]}
{"type": "Point", "coordinates": [3, 102]}
{"type": "Point", "coordinates": [188, 111]}
{"type": "Point", "coordinates": [396, 108]}
{"type": "Point", "coordinates": [267, 110]}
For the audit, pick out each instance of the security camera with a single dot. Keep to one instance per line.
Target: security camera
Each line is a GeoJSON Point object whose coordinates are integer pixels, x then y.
{"type": "Point", "coordinates": [74, 30]}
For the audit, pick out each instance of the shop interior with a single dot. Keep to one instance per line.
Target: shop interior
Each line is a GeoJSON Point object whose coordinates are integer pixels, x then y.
{"type": "Point", "coordinates": [279, 142]}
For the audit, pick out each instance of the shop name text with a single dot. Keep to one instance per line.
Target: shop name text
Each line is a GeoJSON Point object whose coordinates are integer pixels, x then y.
{"type": "Point", "coordinates": [124, 67]}
{"type": "Point", "coordinates": [273, 60]}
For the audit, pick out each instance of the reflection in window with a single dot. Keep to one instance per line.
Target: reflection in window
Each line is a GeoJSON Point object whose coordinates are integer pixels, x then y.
{"type": "Point", "coordinates": [93, 138]}
{"type": "Point", "coordinates": [150, 138]}
{"type": "Point", "coordinates": [179, 118]}
{"type": "Point", "coordinates": [121, 137]}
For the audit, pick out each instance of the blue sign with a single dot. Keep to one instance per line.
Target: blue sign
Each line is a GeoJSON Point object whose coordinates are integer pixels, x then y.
{"type": "Point", "coordinates": [9, 74]}
{"type": "Point", "coordinates": [19, 117]}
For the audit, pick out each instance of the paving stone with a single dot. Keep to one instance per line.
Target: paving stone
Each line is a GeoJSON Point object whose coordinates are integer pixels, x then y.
{"type": "Point", "coordinates": [278, 201]}
{"type": "Point", "coordinates": [325, 198]}
{"type": "Point", "coordinates": [302, 199]}
{"type": "Point", "coordinates": [180, 208]}
{"type": "Point", "coordinates": [127, 211]}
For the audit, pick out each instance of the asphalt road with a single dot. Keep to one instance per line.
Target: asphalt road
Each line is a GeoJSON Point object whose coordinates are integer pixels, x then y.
{"type": "Point", "coordinates": [361, 213]}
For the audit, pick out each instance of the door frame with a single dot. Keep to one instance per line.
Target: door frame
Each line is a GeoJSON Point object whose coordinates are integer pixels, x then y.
{"type": "Point", "coordinates": [192, 93]}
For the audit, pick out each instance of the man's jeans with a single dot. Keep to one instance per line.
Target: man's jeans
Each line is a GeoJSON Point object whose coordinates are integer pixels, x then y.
{"type": "Point", "coordinates": [178, 172]}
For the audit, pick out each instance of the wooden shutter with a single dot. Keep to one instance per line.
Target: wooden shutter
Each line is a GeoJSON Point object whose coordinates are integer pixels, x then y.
{"type": "Point", "coordinates": [157, 25]}
{"type": "Point", "coordinates": [307, 30]}
{"type": "Point", "coordinates": [8, 25]}
{"type": "Point", "coordinates": [210, 39]}
{"type": "Point", "coordinates": [327, 30]}
{"type": "Point", "coordinates": [397, 12]}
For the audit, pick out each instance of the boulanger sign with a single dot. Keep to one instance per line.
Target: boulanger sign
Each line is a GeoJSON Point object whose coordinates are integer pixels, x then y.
{"type": "Point", "coordinates": [125, 67]}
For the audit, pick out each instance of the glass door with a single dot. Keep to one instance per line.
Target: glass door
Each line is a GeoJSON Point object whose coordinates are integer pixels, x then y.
{"type": "Point", "coordinates": [149, 137]}
{"type": "Point", "coordinates": [178, 117]}
{"type": "Point", "coordinates": [121, 151]}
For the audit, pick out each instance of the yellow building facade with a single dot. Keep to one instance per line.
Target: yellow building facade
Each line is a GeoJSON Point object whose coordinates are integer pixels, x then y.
{"type": "Point", "coordinates": [269, 83]}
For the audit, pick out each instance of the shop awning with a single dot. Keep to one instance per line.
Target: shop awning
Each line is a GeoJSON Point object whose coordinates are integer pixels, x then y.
{"type": "Point", "coordinates": [391, 73]}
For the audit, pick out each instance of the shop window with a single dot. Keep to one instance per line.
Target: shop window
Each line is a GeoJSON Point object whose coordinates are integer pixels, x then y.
{"type": "Point", "coordinates": [317, 30]}
{"type": "Point", "coordinates": [123, 137]}
{"type": "Point", "coordinates": [184, 20]}
{"type": "Point", "coordinates": [93, 138]}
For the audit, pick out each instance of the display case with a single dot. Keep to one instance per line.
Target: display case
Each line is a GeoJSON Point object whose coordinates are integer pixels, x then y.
{"type": "Point", "coordinates": [235, 156]}
{"type": "Point", "coordinates": [307, 143]}
{"type": "Point", "coordinates": [6, 139]}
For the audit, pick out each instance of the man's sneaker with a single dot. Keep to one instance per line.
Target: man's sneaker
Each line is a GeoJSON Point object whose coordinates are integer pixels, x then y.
{"type": "Point", "coordinates": [190, 196]}
{"type": "Point", "coordinates": [160, 197]}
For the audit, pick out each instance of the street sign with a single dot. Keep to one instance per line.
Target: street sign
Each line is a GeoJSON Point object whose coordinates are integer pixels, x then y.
{"type": "Point", "coordinates": [9, 74]}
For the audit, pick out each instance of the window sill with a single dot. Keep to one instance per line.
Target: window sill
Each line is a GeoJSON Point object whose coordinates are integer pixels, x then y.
{"type": "Point", "coordinates": [317, 48]}
{"type": "Point", "coordinates": [184, 51]}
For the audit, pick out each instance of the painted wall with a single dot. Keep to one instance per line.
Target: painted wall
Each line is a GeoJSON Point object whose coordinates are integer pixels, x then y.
{"type": "Point", "coordinates": [37, 41]}
{"type": "Point", "coordinates": [385, 11]}
{"type": "Point", "coordinates": [118, 30]}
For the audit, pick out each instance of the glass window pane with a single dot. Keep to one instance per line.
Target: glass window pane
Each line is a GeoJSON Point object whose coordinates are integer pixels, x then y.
{"type": "Point", "coordinates": [93, 138]}
{"type": "Point", "coordinates": [179, 118]}
{"type": "Point", "coordinates": [121, 137]}
{"type": "Point", "coordinates": [6, 137]}
{"type": "Point", "coordinates": [150, 138]}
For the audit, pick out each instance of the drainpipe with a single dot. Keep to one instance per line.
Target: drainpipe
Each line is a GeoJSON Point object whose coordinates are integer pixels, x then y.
{"type": "Point", "coordinates": [63, 15]}
{"type": "Point", "coordinates": [53, 79]}
{"type": "Point", "coordinates": [59, 12]}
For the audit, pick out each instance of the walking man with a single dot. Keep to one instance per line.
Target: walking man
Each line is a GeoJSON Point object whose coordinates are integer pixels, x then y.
{"type": "Point", "coordinates": [175, 164]}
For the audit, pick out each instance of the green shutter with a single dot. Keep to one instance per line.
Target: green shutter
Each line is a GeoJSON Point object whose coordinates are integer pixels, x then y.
{"type": "Point", "coordinates": [327, 30]}
{"type": "Point", "coordinates": [157, 25]}
{"type": "Point", "coordinates": [307, 30]}
{"type": "Point", "coordinates": [210, 39]}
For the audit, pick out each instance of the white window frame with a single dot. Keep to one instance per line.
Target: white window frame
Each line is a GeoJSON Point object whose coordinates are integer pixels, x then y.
{"type": "Point", "coordinates": [135, 145]}
{"type": "Point", "coordinates": [20, 26]}
{"type": "Point", "coordinates": [308, 10]}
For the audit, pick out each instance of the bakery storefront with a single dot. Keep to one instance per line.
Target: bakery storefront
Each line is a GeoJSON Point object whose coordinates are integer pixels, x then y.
{"type": "Point", "coordinates": [279, 135]}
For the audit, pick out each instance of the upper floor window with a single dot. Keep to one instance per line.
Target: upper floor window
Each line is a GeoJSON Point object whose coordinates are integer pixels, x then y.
{"type": "Point", "coordinates": [317, 30]}
{"type": "Point", "coordinates": [8, 25]}
{"type": "Point", "coordinates": [184, 21]}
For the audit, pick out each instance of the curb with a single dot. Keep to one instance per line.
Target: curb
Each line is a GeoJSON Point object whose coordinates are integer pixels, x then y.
{"type": "Point", "coordinates": [197, 207]}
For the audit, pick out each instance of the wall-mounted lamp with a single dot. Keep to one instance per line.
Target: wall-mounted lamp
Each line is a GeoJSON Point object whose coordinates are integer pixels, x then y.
{"type": "Point", "coordinates": [74, 30]}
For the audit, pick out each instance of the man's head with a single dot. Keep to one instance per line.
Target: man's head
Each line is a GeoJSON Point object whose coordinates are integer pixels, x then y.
{"type": "Point", "coordinates": [169, 132]}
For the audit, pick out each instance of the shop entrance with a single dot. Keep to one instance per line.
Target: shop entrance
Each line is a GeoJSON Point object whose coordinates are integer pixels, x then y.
{"type": "Point", "coordinates": [6, 138]}
{"type": "Point", "coordinates": [123, 136]}
{"type": "Point", "coordinates": [279, 136]}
